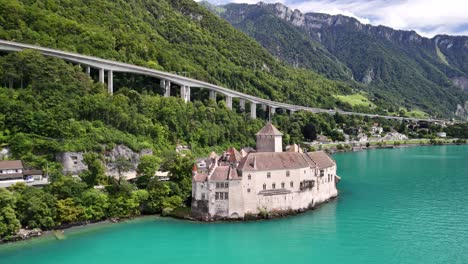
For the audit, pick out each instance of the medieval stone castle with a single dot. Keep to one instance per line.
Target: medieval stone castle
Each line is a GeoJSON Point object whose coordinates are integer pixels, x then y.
{"type": "Point", "coordinates": [237, 184]}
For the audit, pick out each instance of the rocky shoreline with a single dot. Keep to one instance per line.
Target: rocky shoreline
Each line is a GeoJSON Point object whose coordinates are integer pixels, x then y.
{"type": "Point", "coordinates": [58, 232]}
{"type": "Point", "coordinates": [258, 217]}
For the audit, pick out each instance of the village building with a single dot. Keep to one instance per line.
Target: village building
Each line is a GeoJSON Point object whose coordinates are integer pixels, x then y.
{"type": "Point", "coordinates": [236, 184]}
{"type": "Point", "coordinates": [13, 171]}
{"type": "Point", "coordinates": [376, 130]}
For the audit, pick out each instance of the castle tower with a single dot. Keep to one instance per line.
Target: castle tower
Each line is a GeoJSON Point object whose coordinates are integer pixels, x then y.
{"type": "Point", "coordinates": [269, 139]}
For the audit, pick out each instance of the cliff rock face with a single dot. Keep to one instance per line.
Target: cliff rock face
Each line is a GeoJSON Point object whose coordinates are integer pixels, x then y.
{"type": "Point", "coordinates": [399, 67]}
{"type": "Point", "coordinates": [462, 111]}
{"type": "Point", "coordinates": [73, 164]}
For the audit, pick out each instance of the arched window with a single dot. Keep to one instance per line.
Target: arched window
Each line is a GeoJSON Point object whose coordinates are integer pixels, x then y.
{"type": "Point", "coordinates": [273, 186]}
{"type": "Point", "coordinates": [264, 186]}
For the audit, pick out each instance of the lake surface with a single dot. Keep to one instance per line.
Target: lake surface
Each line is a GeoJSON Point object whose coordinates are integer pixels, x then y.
{"type": "Point", "coordinates": [407, 205]}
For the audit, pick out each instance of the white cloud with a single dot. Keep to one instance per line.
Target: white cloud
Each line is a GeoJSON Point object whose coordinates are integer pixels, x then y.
{"type": "Point", "coordinates": [427, 17]}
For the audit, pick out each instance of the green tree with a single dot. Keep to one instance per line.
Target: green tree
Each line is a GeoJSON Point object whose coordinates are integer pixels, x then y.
{"type": "Point", "coordinates": [96, 203]}
{"type": "Point", "coordinates": [146, 169]}
{"type": "Point", "coordinates": [9, 224]}
{"type": "Point", "coordinates": [122, 165]}
{"type": "Point", "coordinates": [67, 187]}
{"type": "Point", "coordinates": [96, 173]}
{"type": "Point", "coordinates": [162, 196]}
{"type": "Point", "coordinates": [69, 212]}
{"type": "Point", "coordinates": [36, 208]}
{"type": "Point", "coordinates": [310, 133]}
{"type": "Point", "coordinates": [180, 170]}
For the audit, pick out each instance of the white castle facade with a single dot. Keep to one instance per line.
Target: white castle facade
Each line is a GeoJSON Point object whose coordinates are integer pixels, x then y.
{"type": "Point", "coordinates": [236, 184]}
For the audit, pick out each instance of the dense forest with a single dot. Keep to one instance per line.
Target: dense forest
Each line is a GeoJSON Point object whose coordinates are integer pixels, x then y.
{"type": "Point", "coordinates": [177, 36]}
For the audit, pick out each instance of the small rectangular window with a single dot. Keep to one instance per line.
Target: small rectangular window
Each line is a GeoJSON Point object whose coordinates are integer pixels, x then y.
{"type": "Point", "coordinates": [217, 185]}
{"type": "Point", "coordinates": [226, 185]}
{"type": "Point", "coordinates": [203, 196]}
{"type": "Point", "coordinates": [249, 177]}
{"type": "Point", "coordinates": [273, 186]}
{"type": "Point", "coordinates": [248, 190]}
{"type": "Point", "coordinates": [321, 173]}
{"type": "Point", "coordinates": [226, 196]}
{"type": "Point", "coordinates": [268, 175]}
{"type": "Point", "coordinates": [287, 174]}
{"type": "Point", "coordinates": [217, 196]}
{"type": "Point", "coordinates": [282, 185]}
{"type": "Point", "coordinates": [291, 184]}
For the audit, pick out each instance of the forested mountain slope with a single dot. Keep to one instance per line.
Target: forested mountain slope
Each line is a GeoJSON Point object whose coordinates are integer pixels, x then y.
{"type": "Point", "coordinates": [175, 35]}
{"type": "Point", "coordinates": [399, 67]}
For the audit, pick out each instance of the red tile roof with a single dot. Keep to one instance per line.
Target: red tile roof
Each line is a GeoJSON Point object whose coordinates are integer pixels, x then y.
{"type": "Point", "coordinates": [220, 173]}
{"type": "Point", "coordinates": [234, 155]}
{"type": "Point", "coordinates": [321, 159]}
{"type": "Point", "coordinates": [274, 161]}
{"type": "Point", "coordinates": [200, 177]}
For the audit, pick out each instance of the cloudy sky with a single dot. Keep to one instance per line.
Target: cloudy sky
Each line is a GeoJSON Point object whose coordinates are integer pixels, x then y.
{"type": "Point", "coordinates": [427, 17]}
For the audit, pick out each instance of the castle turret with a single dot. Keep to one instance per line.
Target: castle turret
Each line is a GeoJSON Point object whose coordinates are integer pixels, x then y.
{"type": "Point", "coordinates": [269, 139]}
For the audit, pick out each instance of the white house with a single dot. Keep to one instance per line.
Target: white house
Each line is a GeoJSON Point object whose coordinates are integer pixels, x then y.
{"type": "Point", "coordinates": [233, 185]}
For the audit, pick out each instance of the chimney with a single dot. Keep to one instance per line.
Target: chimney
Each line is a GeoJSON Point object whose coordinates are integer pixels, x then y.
{"type": "Point", "coordinates": [194, 170]}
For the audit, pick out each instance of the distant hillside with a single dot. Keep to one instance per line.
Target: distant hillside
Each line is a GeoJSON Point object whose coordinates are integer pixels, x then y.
{"type": "Point", "coordinates": [172, 35]}
{"type": "Point", "coordinates": [398, 68]}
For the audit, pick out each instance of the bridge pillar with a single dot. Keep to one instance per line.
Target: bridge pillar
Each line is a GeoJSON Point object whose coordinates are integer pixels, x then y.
{"type": "Point", "coordinates": [166, 86]}
{"type": "Point", "coordinates": [242, 104]}
{"type": "Point", "coordinates": [253, 110]}
{"type": "Point", "coordinates": [185, 93]}
{"type": "Point", "coordinates": [162, 85]}
{"type": "Point", "coordinates": [272, 110]}
{"type": "Point", "coordinates": [229, 102]}
{"type": "Point", "coordinates": [101, 75]}
{"type": "Point", "coordinates": [213, 95]}
{"type": "Point", "coordinates": [110, 82]}
{"type": "Point", "coordinates": [88, 70]}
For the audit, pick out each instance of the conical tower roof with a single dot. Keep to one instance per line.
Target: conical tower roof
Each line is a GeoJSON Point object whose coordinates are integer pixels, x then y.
{"type": "Point", "coordinates": [269, 130]}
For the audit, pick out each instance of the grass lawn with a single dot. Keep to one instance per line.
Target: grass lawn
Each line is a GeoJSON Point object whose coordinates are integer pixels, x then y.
{"type": "Point", "coordinates": [355, 99]}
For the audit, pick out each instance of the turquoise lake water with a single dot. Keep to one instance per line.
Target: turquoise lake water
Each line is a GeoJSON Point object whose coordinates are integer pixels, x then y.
{"type": "Point", "coordinates": [406, 205]}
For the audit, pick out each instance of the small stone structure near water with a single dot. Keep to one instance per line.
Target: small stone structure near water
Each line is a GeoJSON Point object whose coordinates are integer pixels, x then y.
{"type": "Point", "coordinates": [241, 184]}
